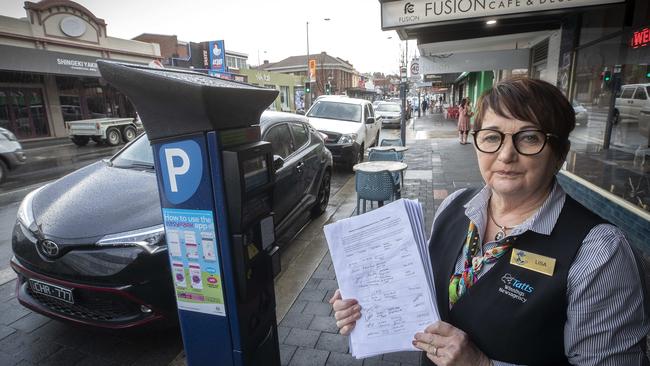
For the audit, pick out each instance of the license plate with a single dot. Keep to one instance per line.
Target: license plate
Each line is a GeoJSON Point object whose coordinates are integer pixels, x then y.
{"type": "Point", "coordinates": [54, 291]}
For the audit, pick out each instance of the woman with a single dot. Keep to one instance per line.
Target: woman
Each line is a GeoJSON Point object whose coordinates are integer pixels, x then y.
{"type": "Point", "coordinates": [536, 278]}
{"type": "Point", "coordinates": [464, 114]}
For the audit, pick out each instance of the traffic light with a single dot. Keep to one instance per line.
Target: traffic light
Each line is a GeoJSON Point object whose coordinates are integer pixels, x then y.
{"type": "Point", "coordinates": [607, 76]}
{"type": "Point", "coordinates": [647, 71]}
{"type": "Point", "coordinates": [308, 87]}
{"type": "Point", "coordinates": [328, 89]}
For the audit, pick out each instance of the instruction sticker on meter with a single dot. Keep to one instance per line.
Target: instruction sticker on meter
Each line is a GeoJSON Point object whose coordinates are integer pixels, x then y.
{"type": "Point", "coordinates": [194, 258]}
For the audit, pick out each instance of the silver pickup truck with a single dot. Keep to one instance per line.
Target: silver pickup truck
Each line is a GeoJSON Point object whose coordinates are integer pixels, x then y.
{"type": "Point", "coordinates": [111, 131]}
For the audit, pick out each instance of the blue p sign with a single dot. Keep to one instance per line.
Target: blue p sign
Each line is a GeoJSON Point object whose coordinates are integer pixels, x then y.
{"type": "Point", "coordinates": [182, 169]}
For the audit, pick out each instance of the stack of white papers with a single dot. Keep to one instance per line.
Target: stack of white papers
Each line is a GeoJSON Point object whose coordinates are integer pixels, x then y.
{"type": "Point", "coordinates": [381, 259]}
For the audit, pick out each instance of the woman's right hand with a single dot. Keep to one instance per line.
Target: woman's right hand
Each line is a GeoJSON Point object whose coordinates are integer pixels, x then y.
{"type": "Point", "coordinates": [346, 312]}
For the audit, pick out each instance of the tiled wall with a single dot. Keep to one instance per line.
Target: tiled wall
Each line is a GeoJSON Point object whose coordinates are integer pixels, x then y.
{"type": "Point", "coordinates": [636, 227]}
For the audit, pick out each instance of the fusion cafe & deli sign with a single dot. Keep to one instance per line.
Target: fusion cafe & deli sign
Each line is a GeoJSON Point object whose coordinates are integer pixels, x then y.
{"type": "Point", "coordinates": [396, 14]}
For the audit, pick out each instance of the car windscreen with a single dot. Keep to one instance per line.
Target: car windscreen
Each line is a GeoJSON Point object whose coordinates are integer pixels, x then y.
{"type": "Point", "coordinates": [336, 110]}
{"type": "Point", "coordinates": [385, 107]}
{"type": "Point", "coordinates": [136, 155]}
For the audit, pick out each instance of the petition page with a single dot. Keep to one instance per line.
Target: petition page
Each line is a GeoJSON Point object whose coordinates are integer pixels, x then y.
{"type": "Point", "coordinates": [377, 262]}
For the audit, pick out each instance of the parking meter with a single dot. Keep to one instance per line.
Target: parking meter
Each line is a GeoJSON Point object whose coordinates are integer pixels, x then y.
{"type": "Point", "coordinates": [215, 181]}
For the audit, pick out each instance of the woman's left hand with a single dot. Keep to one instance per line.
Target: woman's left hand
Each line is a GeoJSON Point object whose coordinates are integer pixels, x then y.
{"type": "Point", "coordinates": [448, 345]}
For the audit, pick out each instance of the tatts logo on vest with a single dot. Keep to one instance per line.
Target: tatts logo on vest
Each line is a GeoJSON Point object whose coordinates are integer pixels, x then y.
{"type": "Point", "coordinates": [515, 288]}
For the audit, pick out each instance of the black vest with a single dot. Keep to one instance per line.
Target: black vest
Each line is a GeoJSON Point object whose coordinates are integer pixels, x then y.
{"type": "Point", "coordinates": [511, 314]}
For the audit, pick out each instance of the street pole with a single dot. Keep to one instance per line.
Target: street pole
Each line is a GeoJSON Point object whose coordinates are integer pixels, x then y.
{"type": "Point", "coordinates": [609, 125]}
{"type": "Point", "coordinates": [404, 91]}
{"type": "Point", "coordinates": [308, 97]}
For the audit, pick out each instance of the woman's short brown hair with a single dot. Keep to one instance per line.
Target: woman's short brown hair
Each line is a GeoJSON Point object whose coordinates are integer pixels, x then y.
{"type": "Point", "coordinates": [533, 101]}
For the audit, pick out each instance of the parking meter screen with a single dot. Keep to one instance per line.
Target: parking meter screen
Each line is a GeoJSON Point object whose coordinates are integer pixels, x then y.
{"type": "Point", "coordinates": [255, 172]}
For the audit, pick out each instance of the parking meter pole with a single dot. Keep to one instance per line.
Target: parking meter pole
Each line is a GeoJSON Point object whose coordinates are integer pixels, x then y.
{"type": "Point", "coordinates": [215, 182]}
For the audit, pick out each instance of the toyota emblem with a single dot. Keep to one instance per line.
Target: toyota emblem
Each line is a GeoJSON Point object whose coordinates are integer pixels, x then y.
{"type": "Point", "coordinates": [49, 248]}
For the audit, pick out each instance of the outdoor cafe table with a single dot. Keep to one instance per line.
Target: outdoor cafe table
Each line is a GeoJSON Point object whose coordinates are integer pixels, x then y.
{"type": "Point", "coordinates": [390, 148]}
{"type": "Point", "coordinates": [378, 166]}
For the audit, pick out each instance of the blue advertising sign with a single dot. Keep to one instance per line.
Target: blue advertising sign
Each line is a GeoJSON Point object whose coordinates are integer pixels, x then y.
{"type": "Point", "coordinates": [217, 52]}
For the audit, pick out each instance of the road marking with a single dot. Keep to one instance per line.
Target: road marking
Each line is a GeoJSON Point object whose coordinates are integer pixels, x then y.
{"type": "Point", "coordinates": [7, 275]}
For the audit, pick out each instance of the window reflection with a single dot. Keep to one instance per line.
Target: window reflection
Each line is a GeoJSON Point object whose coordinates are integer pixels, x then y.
{"type": "Point", "coordinates": [611, 83]}
{"type": "Point", "coordinates": [22, 112]}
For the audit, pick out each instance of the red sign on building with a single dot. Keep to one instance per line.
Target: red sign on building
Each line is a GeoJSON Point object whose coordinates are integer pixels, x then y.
{"type": "Point", "coordinates": [640, 38]}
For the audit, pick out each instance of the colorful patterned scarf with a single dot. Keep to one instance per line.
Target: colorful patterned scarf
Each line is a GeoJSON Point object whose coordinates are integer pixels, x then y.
{"type": "Point", "coordinates": [461, 282]}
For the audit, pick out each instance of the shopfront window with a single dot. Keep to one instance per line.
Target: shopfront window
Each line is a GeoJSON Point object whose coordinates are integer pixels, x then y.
{"type": "Point", "coordinates": [610, 145]}
{"type": "Point", "coordinates": [284, 98]}
{"type": "Point", "coordinates": [70, 98]}
{"type": "Point", "coordinates": [88, 98]}
{"type": "Point", "coordinates": [22, 111]}
{"type": "Point", "coordinates": [598, 23]}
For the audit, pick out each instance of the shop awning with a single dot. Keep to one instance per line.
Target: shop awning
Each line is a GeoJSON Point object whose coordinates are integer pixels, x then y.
{"type": "Point", "coordinates": [47, 62]}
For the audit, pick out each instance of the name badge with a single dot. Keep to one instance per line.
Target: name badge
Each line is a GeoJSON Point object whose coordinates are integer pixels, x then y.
{"type": "Point", "coordinates": [532, 261]}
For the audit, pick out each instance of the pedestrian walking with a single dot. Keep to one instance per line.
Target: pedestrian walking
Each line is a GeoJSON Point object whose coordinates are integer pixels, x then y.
{"type": "Point", "coordinates": [464, 114]}
{"type": "Point", "coordinates": [523, 273]}
{"type": "Point", "coordinates": [425, 104]}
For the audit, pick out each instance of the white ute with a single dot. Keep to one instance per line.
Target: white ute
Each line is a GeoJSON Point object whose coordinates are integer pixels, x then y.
{"type": "Point", "coordinates": [349, 124]}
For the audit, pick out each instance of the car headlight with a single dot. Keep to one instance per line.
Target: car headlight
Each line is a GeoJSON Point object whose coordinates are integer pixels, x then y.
{"type": "Point", "coordinates": [25, 211]}
{"type": "Point", "coordinates": [149, 239]}
{"type": "Point", "coordinates": [348, 139]}
{"type": "Point", "coordinates": [7, 135]}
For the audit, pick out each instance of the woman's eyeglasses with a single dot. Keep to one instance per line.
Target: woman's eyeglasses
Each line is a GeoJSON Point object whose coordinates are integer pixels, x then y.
{"type": "Point", "coordinates": [526, 142]}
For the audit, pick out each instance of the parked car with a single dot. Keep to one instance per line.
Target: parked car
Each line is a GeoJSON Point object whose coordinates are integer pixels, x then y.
{"type": "Point", "coordinates": [582, 115]}
{"type": "Point", "coordinates": [349, 124]}
{"type": "Point", "coordinates": [629, 102]}
{"type": "Point", "coordinates": [388, 114]}
{"type": "Point", "coordinates": [11, 153]}
{"type": "Point", "coordinates": [90, 247]}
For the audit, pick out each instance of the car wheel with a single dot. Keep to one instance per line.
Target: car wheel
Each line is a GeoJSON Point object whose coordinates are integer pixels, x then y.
{"type": "Point", "coordinates": [360, 155]}
{"type": "Point", "coordinates": [616, 118]}
{"type": "Point", "coordinates": [357, 159]}
{"type": "Point", "coordinates": [3, 172]}
{"type": "Point", "coordinates": [129, 133]}
{"type": "Point", "coordinates": [113, 137]}
{"type": "Point", "coordinates": [323, 195]}
{"type": "Point", "coordinates": [80, 140]}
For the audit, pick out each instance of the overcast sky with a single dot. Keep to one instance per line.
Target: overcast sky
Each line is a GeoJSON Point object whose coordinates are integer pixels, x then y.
{"type": "Point", "coordinates": [274, 29]}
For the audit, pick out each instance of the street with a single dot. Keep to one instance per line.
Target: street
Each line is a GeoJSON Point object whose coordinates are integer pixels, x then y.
{"type": "Point", "coordinates": [28, 338]}
{"type": "Point", "coordinates": [206, 240]}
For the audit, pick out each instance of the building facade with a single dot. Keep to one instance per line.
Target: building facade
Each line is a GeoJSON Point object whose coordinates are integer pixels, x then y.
{"type": "Point", "coordinates": [339, 74]}
{"type": "Point", "coordinates": [596, 51]}
{"type": "Point", "coordinates": [192, 54]}
{"type": "Point", "coordinates": [48, 69]}
{"type": "Point", "coordinates": [291, 95]}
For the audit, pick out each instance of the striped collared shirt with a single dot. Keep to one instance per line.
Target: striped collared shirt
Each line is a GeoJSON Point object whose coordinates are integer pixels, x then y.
{"type": "Point", "coordinates": [606, 320]}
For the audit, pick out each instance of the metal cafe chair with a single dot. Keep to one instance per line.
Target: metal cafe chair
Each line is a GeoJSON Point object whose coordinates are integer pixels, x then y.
{"type": "Point", "coordinates": [374, 186]}
{"type": "Point", "coordinates": [390, 155]}
{"type": "Point", "coordinates": [386, 155]}
{"type": "Point", "coordinates": [391, 142]}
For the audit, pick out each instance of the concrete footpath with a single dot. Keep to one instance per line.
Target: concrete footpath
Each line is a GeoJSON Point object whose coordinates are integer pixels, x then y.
{"type": "Point", "coordinates": [437, 166]}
